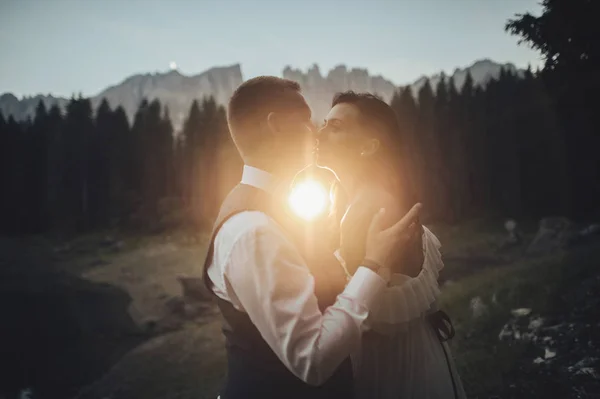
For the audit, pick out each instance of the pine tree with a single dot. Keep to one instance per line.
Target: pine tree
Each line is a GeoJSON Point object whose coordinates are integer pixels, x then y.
{"type": "Point", "coordinates": [35, 201]}
{"type": "Point", "coordinates": [426, 137]}
{"type": "Point", "coordinates": [566, 34]}
{"type": "Point", "coordinates": [413, 163]}
{"type": "Point", "coordinates": [166, 147]}
{"type": "Point", "coordinates": [121, 166]}
{"type": "Point", "coordinates": [5, 166]}
{"type": "Point", "coordinates": [214, 169]}
{"type": "Point", "coordinates": [191, 173]}
{"type": "Point", "coordinates": [136, 149]}
{"type": "Point", "coordinates": [56, 166]}
{"type": "Point", "coordinates": [15, 189]}
{"type": "Point", "coordinates": [100, 168]}
{"type": "Point", "coordinates": [79, 128]}
{"type": "Point", "coordinates": [455, 149]}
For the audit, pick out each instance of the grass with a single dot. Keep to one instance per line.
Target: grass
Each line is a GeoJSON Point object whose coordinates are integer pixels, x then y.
{"type": "Point", "coordinates": [485, 363]}
{"type": "Point", "coordinates": [189, 362]}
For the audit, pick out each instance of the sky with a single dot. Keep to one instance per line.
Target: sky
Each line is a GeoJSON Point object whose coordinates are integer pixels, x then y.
{"type": "Point", "coordinates": [71, 46]}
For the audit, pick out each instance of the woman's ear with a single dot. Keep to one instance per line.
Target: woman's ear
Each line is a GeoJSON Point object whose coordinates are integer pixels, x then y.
{"type": "Point", "coordinates": [370, 147]}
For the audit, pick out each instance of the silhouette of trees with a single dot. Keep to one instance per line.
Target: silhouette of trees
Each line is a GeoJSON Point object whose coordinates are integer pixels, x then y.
{"type": "Point", "coordinates": [496, 150]}
{"type": "Point", "coordinates": [566, 34]}
{"type": "Point", "coordinates": [505, 148]}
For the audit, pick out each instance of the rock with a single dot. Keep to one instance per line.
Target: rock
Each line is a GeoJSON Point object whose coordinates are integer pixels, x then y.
{"type": "Point", "coordinates": [590, 230]}
{"type": "Point", "coordinates": [536, 323]}
{"type": "Point", "coordinates": [514, 235]}
{"type": "Point", "coordinates": [26, 394]}
{"type": "Point", "coordinates": [448, 283]}
{"type": "Point", "coordinates": [478, 307]}
{"type": "Point", "coordinates": [176, 305]}
{"type": "Point", "coordinates": [119, 245]}
{"type": "Point", "coordinates": [108, 241]}
{"type": "Point", "coordinates": [98, 262]}
{"type": "Point", "coordinates": [193, 289]}
{"type": "Point", "coordinates": [62, 249]}
{"type": "Point", "coordinates": [521, 312]}
{"type": "Point", "coordinates": [583, 363]}
{"type": "Point", "coordinates": [549, 354]}
{"type": "Point", "coordinates": [507, 332]}
{"type": "Point", "coordinates": [554, 233]}
{"type": "Point", "coordinates": [150, 325]}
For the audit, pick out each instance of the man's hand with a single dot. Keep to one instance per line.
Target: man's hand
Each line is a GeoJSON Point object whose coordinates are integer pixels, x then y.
{"type": "Point", "coordinates": [382, 243]}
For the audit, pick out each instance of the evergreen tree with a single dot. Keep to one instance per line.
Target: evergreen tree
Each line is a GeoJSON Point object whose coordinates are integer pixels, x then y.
{"type": "Point", "coordinates": [5, 148]}
{"type": "Point", "coordinates": [405, 107]}
{"type": "Point", "coordinates": [166, 147]}
{"type": "Point", "coordinates": [56, 166]}
{"type": "Point", "coordinates": [566, 34]}
{"type": "Point", "coordinates": [100, 168]}
{"type": "Point", "coordinates": [122, 167]}
{"type": "Point", "coordinates": [191, 173]}
{"type": "Point", "coordinates": [15, 174]}
{"type": "Point", "coordinates": [426, 137]}
{"type": "Point", "coordinates": [79, 128]}
{"type": "Point", "coordinates": [213, 171]}
{"type": "Point", "coordinates": [35, 201]}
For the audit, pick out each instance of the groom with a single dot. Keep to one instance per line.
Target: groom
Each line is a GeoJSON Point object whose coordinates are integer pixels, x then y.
{"type": "Point", "coordinates": [280, 342]}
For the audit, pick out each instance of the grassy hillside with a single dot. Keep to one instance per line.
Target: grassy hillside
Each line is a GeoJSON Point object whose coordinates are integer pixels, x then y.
{"type": "Point", "coordinates": [132, 346]}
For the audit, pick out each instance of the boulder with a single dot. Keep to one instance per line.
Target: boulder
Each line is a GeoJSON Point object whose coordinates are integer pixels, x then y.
{"type": "Point", "coordinates": [554, 233]}
{"type": "Point", "coordinates": [193, 289]}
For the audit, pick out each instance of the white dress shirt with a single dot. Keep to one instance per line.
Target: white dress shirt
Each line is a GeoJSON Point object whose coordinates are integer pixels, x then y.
{"type": "Point", "coordinates": [260, 272]}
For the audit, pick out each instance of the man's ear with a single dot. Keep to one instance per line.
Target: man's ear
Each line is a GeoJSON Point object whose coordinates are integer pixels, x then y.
{"type": "Point", "coordinates": [370, 147]}
{"type": "Point", "coordinates": [272, 123]}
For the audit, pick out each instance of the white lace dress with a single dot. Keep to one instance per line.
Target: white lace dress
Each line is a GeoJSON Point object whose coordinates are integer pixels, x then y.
{"type": "Point", "coordinates": [401, 356]}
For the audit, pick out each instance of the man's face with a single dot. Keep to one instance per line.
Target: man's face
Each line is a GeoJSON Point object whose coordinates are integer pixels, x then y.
{"type": "Point", "coordinates": [294, 135]}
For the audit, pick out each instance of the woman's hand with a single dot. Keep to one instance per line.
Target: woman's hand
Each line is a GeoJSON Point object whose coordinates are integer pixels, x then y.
{"type": "Point", "coordinates": [406, 258]}
{"type": "Point", "coordinates": [383, 245]}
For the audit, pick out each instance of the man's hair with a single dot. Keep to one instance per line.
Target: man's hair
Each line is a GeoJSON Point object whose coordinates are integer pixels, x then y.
{"type": "Point", "coordinates": [373, 110]}
{"type": "Point", "coordinates": [250, 104]}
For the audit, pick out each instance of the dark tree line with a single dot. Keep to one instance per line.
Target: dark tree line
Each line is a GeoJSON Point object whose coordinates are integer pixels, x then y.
{"type": "Point", "coordinates": [523, 145]}
{"type": "Point", "coordinates": [479, 151]}
{"type": "Point", "coordinates": [567, 36]}
{"type": "Point", "coordinates": [88, 169]}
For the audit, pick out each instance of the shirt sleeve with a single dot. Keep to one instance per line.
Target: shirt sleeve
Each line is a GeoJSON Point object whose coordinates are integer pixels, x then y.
{"type": "Point", "coordinates": [276, 289]}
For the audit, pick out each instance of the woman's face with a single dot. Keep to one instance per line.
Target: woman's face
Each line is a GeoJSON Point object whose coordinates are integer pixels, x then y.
{"type": "Point", "coordinates": [342, 138]}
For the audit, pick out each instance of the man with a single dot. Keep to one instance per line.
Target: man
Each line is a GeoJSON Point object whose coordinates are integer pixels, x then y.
{"type": "Point", "coordinates": [280, 344]}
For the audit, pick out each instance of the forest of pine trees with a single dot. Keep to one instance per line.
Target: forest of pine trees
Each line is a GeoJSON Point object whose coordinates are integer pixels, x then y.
{"type": "Point", "coordinates": [494, 150]}
{"type": "Point", "coordinates": [88, 169]}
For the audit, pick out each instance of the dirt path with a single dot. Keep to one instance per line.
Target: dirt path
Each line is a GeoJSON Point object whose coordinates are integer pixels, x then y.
{"type": "Point", "coordinates": [149, 274]}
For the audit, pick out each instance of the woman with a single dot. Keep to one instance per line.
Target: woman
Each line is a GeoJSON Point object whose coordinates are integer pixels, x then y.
{"type": "Point", "coordinates": [403, 354]}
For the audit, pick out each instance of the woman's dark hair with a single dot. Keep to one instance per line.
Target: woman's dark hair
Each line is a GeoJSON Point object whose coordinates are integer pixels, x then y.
{"type": "Point", "coordinates": [374, 112]}
{"type": "Point", "coordinates": [380, 120]}
{"type": "Point", "coordinates": [390, 167]}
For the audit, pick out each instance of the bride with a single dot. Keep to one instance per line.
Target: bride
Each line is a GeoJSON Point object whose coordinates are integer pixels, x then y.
{"type": "Point", "coordinates": [404, 353]}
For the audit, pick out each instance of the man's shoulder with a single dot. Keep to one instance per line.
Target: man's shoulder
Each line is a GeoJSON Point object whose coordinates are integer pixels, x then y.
{"type": "Point", "coordinates": [246, 223]}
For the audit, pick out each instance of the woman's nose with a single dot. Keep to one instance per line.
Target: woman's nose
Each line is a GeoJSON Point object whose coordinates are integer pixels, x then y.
{"type": "Point", "coordinates": [321, 135]}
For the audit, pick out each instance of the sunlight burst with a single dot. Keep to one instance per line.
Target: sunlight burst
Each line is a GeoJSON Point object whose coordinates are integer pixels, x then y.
{"type": "Point", "coordinates": [308, 199]}
{"type": "Point", "coordinates": [173, 65]}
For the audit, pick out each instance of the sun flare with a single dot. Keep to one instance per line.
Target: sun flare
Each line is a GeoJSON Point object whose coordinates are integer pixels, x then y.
{"type": "Point", "coordinates": [308, 199]}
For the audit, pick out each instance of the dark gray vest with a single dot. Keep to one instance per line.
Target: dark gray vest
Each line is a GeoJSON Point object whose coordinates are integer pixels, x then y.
{"type": "Point", "coordinates": [254, 371]}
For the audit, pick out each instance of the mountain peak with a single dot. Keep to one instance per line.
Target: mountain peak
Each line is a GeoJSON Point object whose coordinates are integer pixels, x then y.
{"type": "Point", "coordinates": [177, 90]}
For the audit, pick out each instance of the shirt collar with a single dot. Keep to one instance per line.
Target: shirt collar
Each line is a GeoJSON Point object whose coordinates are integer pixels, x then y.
{"type": "Point", "coordinates": [259, 178]}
